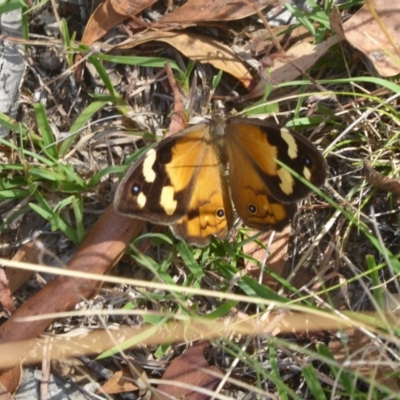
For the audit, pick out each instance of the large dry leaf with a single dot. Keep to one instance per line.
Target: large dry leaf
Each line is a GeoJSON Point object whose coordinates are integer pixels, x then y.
{"type": "Point", "coordinates": [199, 48]}
{"type": "Point", "coordinates": [178, 115]}
{"type": "Point", "coordinates": [297, 59]}
{"type": "Point", "coordinates": [17, 278]}
{"type": "Point", "coordinates": [109, 14]}
{"type": "Point", "coordinates": [367, 356]}
{"type": "Point", "coordinates": [335, 20]}
{"type": "Point", "coordinates": [5, 294]}
{"type": "Point", "coordinates": [102, 248]}
{"type": "Point", "coordinates": [276, 257]}
{"type": "Point", "coordinates": [112, 12]}
{"type": "Point", "coordinates": [377, 36]}
{"type": "Point", "coordinates": [10, 380]}
{"type": "Point", "coordinates": [300, 57]}
{"type": "Point", "coordinates": [263, 41]}
{"type": "Point", "coordinates": [216, 10]}
{"type": "Point", "coordinates": [121, 382]}
{"type": "Point", "coordinates": [5, 395]}
{"type": "Point", "coordinates": [190, 369]}
{"type": "Point", "coordinates": [380, 181]}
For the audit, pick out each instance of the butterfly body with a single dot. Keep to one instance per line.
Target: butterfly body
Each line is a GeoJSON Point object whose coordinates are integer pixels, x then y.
{"type": "Point", "coordinates": [183, 180]}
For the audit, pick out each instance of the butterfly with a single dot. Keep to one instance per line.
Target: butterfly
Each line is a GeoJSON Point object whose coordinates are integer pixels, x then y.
{"type": "Point", "coordinates": [189, 180]}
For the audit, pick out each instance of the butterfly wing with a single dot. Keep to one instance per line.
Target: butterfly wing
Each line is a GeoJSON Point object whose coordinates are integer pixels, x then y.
{"type": "Point", "coordinates": [180, 181]}
{"type": "Point", "coordinates": [210, 210]}
{"type": "Point", "coordinates": [263, 191]}
{"type": "Point", "coordinates": [253, 201]}
{"type": "Point", "coordinates": [158, 187]}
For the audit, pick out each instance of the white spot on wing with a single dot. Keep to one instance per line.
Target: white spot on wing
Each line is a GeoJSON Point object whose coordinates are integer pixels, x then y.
{"type": "Point", "coordinates": [291, 142]}
{"type": "Point", "coordinates": [148, 173]}
{"type": "Point", "coordinates": [287, 182]}
{"type": "Point", "coordinates": [141, 200]}
{"type": "Point", "coordinates": [167, 201]}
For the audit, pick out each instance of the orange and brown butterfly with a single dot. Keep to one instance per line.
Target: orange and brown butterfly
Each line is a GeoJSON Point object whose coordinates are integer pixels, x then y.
{"type": "Point", "coordinates": [189, 180]}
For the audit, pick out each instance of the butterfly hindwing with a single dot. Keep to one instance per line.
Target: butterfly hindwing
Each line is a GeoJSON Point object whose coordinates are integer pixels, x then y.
{"type": "Point", "coordinates": [252, 198]}
{"type": "Point", "coordinates": [210, 211]}
{"type": "Point", "coordinates": [263, 191]}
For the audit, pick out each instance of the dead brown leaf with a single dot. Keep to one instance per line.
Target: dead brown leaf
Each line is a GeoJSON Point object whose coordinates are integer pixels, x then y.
{"type": "Point", "coordinates": [10, 379]}
{"type": "Point", "coordinates": [264, 42]}
{"type": "Point", "coordinates": [102, 248]}
{"type": "Point", "coordinates": [216, 10]}
{"type": "Point", "coordinates": [367, 356]}
{"type": "Point", "coordinates": [17, 278]}
{"type": "Point", "coordinates": [66, 366]}
{"type": "Point", "coordinates": [190, 369]}
{"type": "Point", "coordinates": [276, 257]}
{"type": "Point", "coordinates": [4, 394]}
{"type": "Point", "coordinates": [178, 115]}
{"type": "Point", "coordinates": [300, 57]}
{"type": "Point", "coordinates": [121, 382]}
{"type": "Point", "coordinates": [374, 31]}
{"type": "Point", "coordinates": [297, 59]}
{"type": "Point", "coordinates": [5, 294]}
{"type": "Point", "coordinates": [109, 14]}
{"type": "Point", "coordinates": [199, 48]}
{"type": "Point", "coordinates": [335, 20]}
{"type": "Point", "coordinates": [112, 12]}
{"type": "Point", "coordinates": [380, 181]}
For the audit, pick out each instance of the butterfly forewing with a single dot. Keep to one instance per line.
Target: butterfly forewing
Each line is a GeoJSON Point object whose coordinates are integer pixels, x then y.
{"type": "Point", "coordinates": [158, 187]}
{"type": "Point", "coordinates": [262, 144]}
